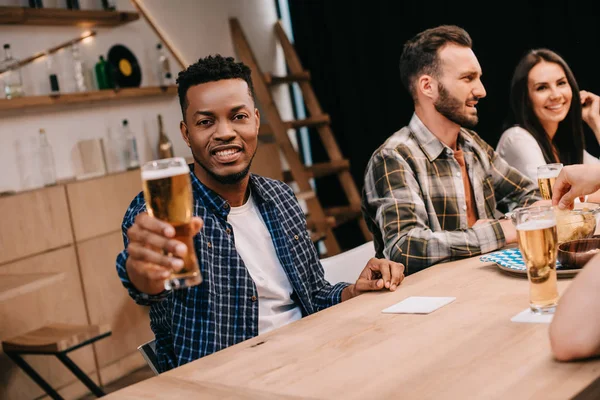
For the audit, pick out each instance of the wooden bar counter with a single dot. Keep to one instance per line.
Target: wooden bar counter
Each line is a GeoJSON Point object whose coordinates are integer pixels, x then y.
{"type": "Point", "coordinates": [468, 349]}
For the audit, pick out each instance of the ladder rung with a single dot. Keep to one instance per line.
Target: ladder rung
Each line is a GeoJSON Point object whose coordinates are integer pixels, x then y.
{"type": "Point", "coordinates": [319, 170]}
{"type": "Point", "coordinates": [343, 214]}
{"type": "Point", "coordinates": [265, 129]}
{"type": "Point", "coordinates": [277, 80]}
{"type": "Point", "coordinates": [311, 226]}
{"type": "Point", "coordinates": [317, 236]}
{"type": "Point", "coordinates": [305, 195]}
{"type": "Point", "coordinates": [309, 122]}
{"type": "Point", "coordinates": [340, 211]}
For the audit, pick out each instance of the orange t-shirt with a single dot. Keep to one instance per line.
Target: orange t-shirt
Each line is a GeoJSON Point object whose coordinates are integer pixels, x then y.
{"type": "Point", "coordinates": [469, 197]}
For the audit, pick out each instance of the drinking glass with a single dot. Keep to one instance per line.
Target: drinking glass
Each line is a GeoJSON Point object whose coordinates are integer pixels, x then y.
{"type": "Point", "coordinates": [536, 232]}
{"type": "Point", "coordinates": [547, 175]}
{"type": "Point", "coordinates": [168, 196]}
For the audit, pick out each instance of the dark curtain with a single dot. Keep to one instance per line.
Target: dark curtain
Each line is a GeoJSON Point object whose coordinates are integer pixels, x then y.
{"type": "Point", "coordinates": [352, 49]}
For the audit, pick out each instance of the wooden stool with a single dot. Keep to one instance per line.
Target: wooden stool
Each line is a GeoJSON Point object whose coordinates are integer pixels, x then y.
{"type": "Point", "coordinates": [58, 340]}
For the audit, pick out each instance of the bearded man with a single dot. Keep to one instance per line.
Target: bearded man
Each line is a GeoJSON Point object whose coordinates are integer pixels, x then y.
{"type": "Point", "coordinates": [433, 189]}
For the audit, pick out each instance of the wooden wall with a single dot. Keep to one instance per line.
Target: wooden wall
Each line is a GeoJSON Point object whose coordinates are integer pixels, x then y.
{"type": "Point", "coordinates": [73, 230]}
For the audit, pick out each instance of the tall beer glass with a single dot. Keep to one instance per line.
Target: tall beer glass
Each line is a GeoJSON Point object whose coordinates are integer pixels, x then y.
{"type": "Point", "coordinates": [168, 195]}
{"type": "Point", "coordinates": [547, 174]}
{"type": "Point", "coordinates": [536, 232]}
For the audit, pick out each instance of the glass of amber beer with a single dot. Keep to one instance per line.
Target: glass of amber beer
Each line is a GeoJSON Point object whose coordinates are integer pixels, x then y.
{"type": "Point", "coordinates": [536, 232]}
{"type": "Point", "coordinates": [168, 196]}
{"type": "Point", "coordinates": [547, 174]}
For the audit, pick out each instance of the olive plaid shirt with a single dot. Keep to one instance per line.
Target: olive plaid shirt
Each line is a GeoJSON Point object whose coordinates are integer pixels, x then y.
{"type": "Point", "coordinates": [414, 199]}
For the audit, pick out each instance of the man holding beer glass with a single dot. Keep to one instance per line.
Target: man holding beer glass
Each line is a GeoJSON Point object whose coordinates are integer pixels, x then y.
{"type": "Point", "coordinates": [258, 268]}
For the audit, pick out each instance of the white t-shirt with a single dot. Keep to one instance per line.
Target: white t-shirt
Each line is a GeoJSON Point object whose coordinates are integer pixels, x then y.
{"type": "Point", "coordinates": [254, 244]}
{"type": "Point", "coordinates": [521, 151]}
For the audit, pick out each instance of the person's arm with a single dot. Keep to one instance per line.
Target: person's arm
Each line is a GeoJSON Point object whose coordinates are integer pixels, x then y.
{"type": "Point", "coordinates": [142, 266]}
{"type": "Point", "coordinates": [393, 193]}
{"type": "Point", "coordinates": [575, 181]}
{"type": "Point", "coordinates": [590, 111]}
{"type": "Point", "coordinates": [510, 185]}
{"type": "Point", "coordinates": [377, 274]}
{"type": "Point", "coordinates": [521, 151]}
{"type": "Point", "coordinates": [575, 328]}
{"type": "Point", "coordinates": [322, 293]}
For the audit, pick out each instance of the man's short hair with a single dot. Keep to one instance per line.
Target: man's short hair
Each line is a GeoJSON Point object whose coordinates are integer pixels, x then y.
{"type": "Point", "coordinates": [211, 69]}
{"type": "Point", "coordinates": [420, 54]}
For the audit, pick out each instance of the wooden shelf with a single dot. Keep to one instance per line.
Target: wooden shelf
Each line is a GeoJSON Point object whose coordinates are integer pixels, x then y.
{"type": "Point", "coordinates": [28, 102]}
{"type": "Point", "coordinates": [64, 17]}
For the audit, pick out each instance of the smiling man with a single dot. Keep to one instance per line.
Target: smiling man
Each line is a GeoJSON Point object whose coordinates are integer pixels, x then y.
{"type": "Point", "coordinates": [432, 189]}
{"type": "Point", "coordinates": [260, 269]}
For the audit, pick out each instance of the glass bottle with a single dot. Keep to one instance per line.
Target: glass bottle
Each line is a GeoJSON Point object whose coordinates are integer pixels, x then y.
{"type": "Point", "coordinates": [73, 4]}
{"type": "Point", "coordinates": [52, 75]}
{"type": "Point", "coordinates": [103, 74]}
{"type": "Point", "coordinates": [12, 77]}
{"type": "Point", "coordinates": [47, 166]}
{"type": "Point", "coordinates": [109, 5]}
{"type": "Point", "coordinates": [165, 147]}
{"type": "Point", "coordinates": [165, 78]}
{"type": "Point", "coordinates": [131, 154]}
{"type": "Point", "coordinates": [82, 78]}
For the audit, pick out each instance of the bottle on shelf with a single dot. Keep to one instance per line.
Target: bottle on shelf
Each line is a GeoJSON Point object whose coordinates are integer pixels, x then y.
{"type": "Point", "coordinates": [104, 74]}
{"type": "Point", "coordinates": [73, 4]}
{"type": "Point", "coordinates": [165, 146]}
{"type": "Point", "coordinates": [52, 75]}
{"type": "Point", "coordinates": [83, 81]}
{"type": "Point", "coordinates": [165, 78]}
{"type": "Point", "coordinates": [109, 5]}
{"type": "Point", "coordinates": [130, 151]}
{"type": "Point", "coordinates": [47, 166]}
{"type": "Point", "coordinates": [36, 4]}
{"type": "Point", "coordinates": [11, 77]}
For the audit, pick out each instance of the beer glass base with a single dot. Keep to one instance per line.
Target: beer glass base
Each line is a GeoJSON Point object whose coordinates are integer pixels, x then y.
{"type": "Point", "coordinates": [549, 309]}
{"type": "Point", "coordinates": [181, 282]}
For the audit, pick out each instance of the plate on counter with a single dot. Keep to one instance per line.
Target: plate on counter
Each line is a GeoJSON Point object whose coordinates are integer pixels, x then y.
{"type": "Point", "coordinates": [511, 261]}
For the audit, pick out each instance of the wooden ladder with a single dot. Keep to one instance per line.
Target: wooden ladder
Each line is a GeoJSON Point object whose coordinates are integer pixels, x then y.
{"type": "Point", "coordinates": [320, 220]}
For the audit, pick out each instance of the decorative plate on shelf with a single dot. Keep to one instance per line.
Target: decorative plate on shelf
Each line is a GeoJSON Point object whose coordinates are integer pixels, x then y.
{"type": "Point", "coordinates": [511, 260]}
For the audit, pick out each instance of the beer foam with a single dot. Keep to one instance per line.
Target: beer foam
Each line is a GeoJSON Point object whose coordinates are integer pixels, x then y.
{"type": "Point", "coordinates": [535, 225]}
{"type": "Point", "coordinates": [548, 175]}
{"type": "Point", "coordinates": [165, 173]}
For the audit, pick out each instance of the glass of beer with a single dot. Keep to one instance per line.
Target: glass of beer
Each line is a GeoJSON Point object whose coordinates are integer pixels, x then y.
{"type": "Point", "coordinates": [168, 196]}
{"type": "Point", "coordinates": [547, 174]}
{"type": "Point", "coordinates": [536, 232]}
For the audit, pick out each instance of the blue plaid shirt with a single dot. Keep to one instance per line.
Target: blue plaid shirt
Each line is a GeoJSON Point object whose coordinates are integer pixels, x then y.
{"type": "Point", "coordinates": [223, 310]}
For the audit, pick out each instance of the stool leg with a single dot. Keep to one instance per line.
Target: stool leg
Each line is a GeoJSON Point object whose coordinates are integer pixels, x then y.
{"type": "Point", "coordinates": [34, 375]}
{"type": "Point", "coordinates": [80, 374]}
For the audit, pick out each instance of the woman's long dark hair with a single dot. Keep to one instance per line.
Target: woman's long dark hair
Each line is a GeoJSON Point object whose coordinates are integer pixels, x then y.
{"type": "Point", "coordinates": [569, 140]}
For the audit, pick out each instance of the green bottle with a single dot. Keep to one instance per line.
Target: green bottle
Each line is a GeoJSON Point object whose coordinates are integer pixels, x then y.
{"type": "Point", "coordinates": [103, 74]}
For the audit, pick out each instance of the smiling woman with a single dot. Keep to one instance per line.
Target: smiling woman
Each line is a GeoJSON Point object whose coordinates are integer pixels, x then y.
{"type": "Point", "coordinates": [547, 113]}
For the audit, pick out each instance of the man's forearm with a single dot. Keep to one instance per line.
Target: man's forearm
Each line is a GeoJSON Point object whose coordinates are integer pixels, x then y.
{"type": "Point", "coordinates": [348, 293]}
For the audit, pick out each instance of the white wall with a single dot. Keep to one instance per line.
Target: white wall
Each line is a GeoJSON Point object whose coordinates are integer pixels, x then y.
{"type": "Point", "coordinates": [195, 28]}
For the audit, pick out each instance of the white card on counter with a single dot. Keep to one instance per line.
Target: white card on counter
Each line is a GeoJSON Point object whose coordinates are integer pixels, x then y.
{"type": "Point", "coordinates": [418, 305]}
{"type": "Point", "coordinates": [531, 317]}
